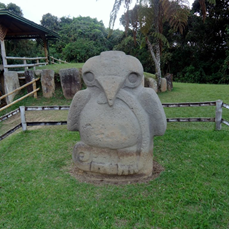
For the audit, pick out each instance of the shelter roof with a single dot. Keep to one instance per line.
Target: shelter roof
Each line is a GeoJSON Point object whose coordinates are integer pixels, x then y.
{"type": "Point", "coordinates": [21, 28]}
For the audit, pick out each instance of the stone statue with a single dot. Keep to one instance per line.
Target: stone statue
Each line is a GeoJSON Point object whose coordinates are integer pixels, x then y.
{"type": "Point", "coordinates": [116, 118]}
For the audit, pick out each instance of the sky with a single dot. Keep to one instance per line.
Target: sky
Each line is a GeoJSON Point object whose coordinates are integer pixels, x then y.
{"type": "Point", "coordinates": [100, 9]}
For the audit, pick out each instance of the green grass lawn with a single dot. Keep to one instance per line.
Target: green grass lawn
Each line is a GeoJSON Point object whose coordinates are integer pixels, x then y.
{"type": "Point", "coordinates": [57, 67]}
{"type": "Point", "coordinates": [37, 190]}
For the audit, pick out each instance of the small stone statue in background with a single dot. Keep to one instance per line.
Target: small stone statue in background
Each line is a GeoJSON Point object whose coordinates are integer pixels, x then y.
{"type": "Point", "coordinates": [116, 117]}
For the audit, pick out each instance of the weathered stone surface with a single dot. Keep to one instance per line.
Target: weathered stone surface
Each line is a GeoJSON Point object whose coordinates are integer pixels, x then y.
{"type": "Point", "coordinates": [48, 83]}
{"type": "Point", "coordinates": [169, 78]}
{"type": "Point", "coordinates": [11, 83]}
{"type": "Point", "coordinates": [117, 118]}
{"type": "Point", "coordinates": [153, 84]}
{"type": "Point", "coordinates": [163, 85]}
{"type": "Point", "coordinates": [70, 82]}
{"type": "Point", "coordinates": [38, 72]}
{"type": "Point", "coordinates": [29, 76]}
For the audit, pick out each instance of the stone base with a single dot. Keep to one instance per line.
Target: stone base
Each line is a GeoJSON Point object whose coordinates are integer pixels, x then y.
{"type": "Point", "coordinates": [109, 164]}
{"type": "Point", "coordinates": [99, 179]}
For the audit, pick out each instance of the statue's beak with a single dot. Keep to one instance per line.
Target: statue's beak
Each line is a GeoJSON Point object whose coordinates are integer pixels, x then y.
{"type": "Point", "coordinates": [111, 86]}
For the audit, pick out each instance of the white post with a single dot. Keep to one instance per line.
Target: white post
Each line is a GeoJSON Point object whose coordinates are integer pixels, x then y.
{"type": "Point", "coordinates": [218, 114]}
{"type": "Point", "coordinates": [23, 120]}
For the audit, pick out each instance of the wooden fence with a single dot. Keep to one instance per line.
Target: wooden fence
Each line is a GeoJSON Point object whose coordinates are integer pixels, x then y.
{"type": "Point", "coordinates": [34, 92]}
{"type": "Point", "coordinates": [25, 65]}
{"type": "Point", "coordinates": [59, 61]}
{"type": "Point", "coordinates": [217, 119]}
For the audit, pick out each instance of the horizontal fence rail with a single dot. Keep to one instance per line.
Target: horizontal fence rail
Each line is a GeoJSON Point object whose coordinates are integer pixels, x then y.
{"type": "Point", "coordinates": [10, 131]}
{"type": "Point", "coordinates": [226, 105]}
{"type": "Point", "coordinates": [203, 104]}
{"type": "Point", "coordinates": [18, 89]}
{"type": "Point", "coordinates": [46, 108]}
{"type": "Point", "coordinates": [9, 115]}
{"type": "Point", "coordinates": [34, 92]}
{"type": "Point", "coordinates": [24, 59]}
{"type": "Point", "coordinates": [50, 123]}
{"type": "Point", "coordinates": [218, 119]}
{"type": "Point", "coordinates": [225, 122]}
{"type": "Point", "coordinates": [190, 119]}
{"type": "Point", "coordinates": [53, 59]}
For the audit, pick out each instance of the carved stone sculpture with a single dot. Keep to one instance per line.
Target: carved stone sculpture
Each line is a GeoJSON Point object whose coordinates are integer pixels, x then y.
{"type": "Point", "coordinates": [116, 118]}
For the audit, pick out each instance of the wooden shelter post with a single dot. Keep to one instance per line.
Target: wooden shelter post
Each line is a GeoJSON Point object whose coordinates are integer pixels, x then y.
{"type": "Point", "coordinates": [3, 31]}
{"type": "Point", "coordinates": [46, 48]}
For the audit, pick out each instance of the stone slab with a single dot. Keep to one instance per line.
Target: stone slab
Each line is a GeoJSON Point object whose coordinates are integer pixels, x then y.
{"type": "Point", "coordinates": [29, 76]}
{"type": "Point", "coordinates": [70, 82]}
{"type": "Point", "coordinates": [169, 78]}
{"type": "Point", "coordinates": [163, 85]}
{"type": "Point", "coordinates": [153, 84]}
{"type": "Point", "coordinates": [47, 83]}
{"type": "Point", "coordinates": [11, 82]}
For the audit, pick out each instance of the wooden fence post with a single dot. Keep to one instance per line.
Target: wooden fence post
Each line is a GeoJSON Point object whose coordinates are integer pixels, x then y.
{"type": "Point", "coordinates": [218, 114]}
{"type": "Point", "coordinates": [23, 120]}
{"type": "Point", "coordinates": [34, 89]}
{"type": "Point", "coordinates": [24, 62]}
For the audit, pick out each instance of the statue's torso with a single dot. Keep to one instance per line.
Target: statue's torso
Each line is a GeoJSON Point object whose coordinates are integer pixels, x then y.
{"type": "Point", "coordinates": [113, 127]}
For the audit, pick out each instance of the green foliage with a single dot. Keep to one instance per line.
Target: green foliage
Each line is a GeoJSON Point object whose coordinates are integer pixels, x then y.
{"type": "Point", "coordinates": [128, 46]}
{"type": "Point", "coordinates": [12, 8]}
{"type": "Point", "coordinates": [2, 5]}
{"type": "Point", "coordinates": [51, 22]}
{"type": "Point", "coordinates": [20, 48]}
{"type": "Point", "coordinates": [200, 55]}
{"type": "Point", "coordinates": [81, 37]}
{"type": "Point", "coordinates": [23, 48]}
{"type": "Point", "coordinates": [225, 67]}
{"type": "Point", "coordinates": [56, 67]}
{"type": "Point", "coordinates": [80, 50]}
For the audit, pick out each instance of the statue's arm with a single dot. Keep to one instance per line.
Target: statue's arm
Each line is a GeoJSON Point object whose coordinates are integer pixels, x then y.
{"type": "Point", "coordinates": [78, 102]}
{"type": "Point", "coordinates": [153, 107]}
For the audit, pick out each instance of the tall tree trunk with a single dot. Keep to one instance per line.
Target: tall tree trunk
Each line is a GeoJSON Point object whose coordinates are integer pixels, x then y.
{"type": "Point", "coordinates": [157, 45]}
{"type": "Point", "coordinates": [158, 67]}
{"type": "Point", "coordinates": [156, 60]}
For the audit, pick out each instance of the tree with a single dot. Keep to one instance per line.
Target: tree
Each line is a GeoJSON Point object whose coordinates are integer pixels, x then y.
{"type": "Point", "coordinates": [50, 22]}
{"type": "Point", "coordinates": [203, 7]}
{"type": "Point", "coordinates": [80, 38]}
{"type": "Point", "coordinates": [149, 17]}
{"type": "Point", "coordinates": [201, 53]}
{"type": "Point", "coordinates": [12, 8]}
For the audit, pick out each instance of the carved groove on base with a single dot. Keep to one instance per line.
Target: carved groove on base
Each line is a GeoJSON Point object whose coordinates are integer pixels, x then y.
{"type": "Point", "coordinates": [111, 164]}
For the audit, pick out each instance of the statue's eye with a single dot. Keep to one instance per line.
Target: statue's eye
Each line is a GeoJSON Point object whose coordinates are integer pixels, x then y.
{"type": "Point", "coordinates": [133, 77]}
{"type": "Point", "coordinates": [88, 76]}
{"type": "Point", "coordinates": [133, 80]}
